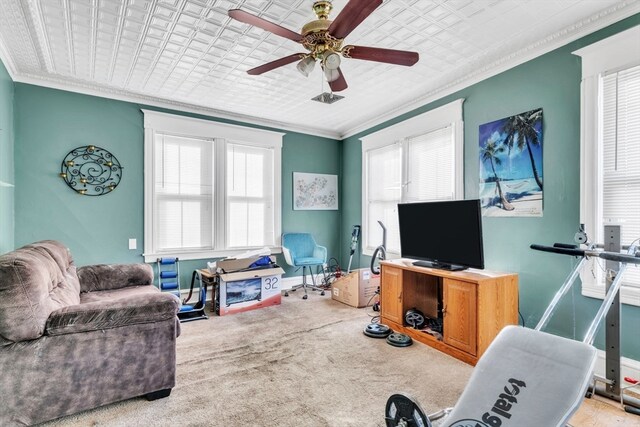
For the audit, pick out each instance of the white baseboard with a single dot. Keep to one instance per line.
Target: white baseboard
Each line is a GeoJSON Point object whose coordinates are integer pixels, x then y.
{"type": "Point", "coordinates": [290, 282]}
{"type": "Point", "coordinates": [628, 367]}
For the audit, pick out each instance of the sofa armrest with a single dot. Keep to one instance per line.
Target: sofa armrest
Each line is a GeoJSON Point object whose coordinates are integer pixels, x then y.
{"type": "Point", "coordinates": [99, 315]}
{"type": "Point", "coordinates": [104, 277]}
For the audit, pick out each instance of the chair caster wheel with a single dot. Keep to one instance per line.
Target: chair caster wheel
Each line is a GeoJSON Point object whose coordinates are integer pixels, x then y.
{"type": "Point", "coordinates": [293, 290]}
{"type": "Point", "coordinates": [286, 294]}
{"type": "Point", "coordinates": [305, 297]}
{"type": "Point", "coordinates": [322, 293]}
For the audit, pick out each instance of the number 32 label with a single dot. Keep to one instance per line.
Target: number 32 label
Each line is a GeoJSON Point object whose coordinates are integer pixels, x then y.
{"type": "Point", "coordinates": [270, 283]}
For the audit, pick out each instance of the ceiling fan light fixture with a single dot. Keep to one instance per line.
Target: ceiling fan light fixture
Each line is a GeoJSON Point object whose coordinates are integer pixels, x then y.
{"type": "Point", "coordinates": [306, 66]}
{"type": "Point", "coordinates": [331, 75]}
{"type": "Point", "coordinates": [331, 60]}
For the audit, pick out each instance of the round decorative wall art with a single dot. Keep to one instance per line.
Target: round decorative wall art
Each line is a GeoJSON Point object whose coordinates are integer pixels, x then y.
{"type": "Point", "coordinates": [91, 170]}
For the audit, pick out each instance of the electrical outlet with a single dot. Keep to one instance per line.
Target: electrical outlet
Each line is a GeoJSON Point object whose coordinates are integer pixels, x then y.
{"type": "Point", "coordinates": [133, 244]}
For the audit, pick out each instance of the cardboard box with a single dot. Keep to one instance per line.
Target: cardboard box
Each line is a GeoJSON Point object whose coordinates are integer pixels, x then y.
{"type": "Point", "coordinates": [249, 290]}
{"type": "Point", "coordinates": [230, 265]}
{"type": "Point", "coordinates": [356, 289]}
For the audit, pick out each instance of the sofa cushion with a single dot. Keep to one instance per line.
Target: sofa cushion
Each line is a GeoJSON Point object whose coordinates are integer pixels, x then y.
{"type": "Point", "coordinates": [147, 305]}
{"type": "Point", "coordinates": [35, 280]}
{"type": "Point", "coordinates": [102, 277]}
{"type": "Point", "coordinates": [116, 294]}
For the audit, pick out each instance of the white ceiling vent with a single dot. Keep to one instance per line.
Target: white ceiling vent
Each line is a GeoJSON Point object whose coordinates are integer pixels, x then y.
{"type": "Point", "coordinates": [327, 98]}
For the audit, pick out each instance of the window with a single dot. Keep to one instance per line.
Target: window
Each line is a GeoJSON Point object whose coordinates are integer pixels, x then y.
{"type": "Point", "coordinates": [610, 153]}
{"type": "Point", "coordinates": [249, 196]}
{"type": "Point", "coordinates": [211, 189]}
{"type": "Point", "coordinates": [417, 160]}
{"type": "Point", "coordinates": [183, 189]}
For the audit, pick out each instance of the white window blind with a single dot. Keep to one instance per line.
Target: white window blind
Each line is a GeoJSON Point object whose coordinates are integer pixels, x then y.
{"type": "Point", "coordinates": [250, 197]}
{"type": "Point", "coordinates": [620, 112]}
{"type": "Point", "coordinates": [183, 192]}
{"type": "Point", "coordinates": [384, 167]}
{"type": "Point", "coordinates": [431, 166]}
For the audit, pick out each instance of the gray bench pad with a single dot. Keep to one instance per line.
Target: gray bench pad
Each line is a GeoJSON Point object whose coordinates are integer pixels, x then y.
{"type": "Point", "coordinates": [525, 378]}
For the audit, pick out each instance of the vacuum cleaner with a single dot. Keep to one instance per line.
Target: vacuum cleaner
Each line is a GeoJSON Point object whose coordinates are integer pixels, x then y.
{"type": "Point", "coordinates": [380, 253]}
{"type": "Point", "coordinates": [355, 235]}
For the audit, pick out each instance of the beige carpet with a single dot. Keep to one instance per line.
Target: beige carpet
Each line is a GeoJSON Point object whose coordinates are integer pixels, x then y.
{"type": "Point", "coordinates": [303, 363]}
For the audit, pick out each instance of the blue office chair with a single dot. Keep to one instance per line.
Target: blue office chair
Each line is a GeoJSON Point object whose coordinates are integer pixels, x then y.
{"type": "Point", "coordinates": [301, 250]}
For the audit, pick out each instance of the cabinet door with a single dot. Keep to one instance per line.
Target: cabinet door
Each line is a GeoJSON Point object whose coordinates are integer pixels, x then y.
{"type": "Point", "coordinates": [391, 294]}
{"type": "Point", "coordinates": [460, 311]}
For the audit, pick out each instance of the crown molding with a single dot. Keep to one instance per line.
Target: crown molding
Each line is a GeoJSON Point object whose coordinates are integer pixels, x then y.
{"type": "Point", "coordinates": [126, 96]}
{"type": "Point", "coordinates": [554, 41]}
{"type": "Point", "coordinates": [7, 61]}
{"type": "Point", "coordinates": [467, 78]}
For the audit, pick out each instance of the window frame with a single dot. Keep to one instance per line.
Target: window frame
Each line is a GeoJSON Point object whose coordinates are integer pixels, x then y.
{"type": "Point", "coordinates": [219, 134]}
{"type": "Point", "coordinates": [450, 114]}
{"type": "Point", "coordinates": [598, 59]}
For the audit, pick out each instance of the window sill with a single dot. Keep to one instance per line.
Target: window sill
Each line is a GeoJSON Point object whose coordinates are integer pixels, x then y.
{"type": "Point", "coordinates": [628, 295]}
{"type": "Point", "coordinates": [204, 255]}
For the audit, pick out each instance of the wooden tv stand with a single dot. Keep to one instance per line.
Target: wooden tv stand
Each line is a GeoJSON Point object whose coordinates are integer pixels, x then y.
{"type": "Point", "coordinates": [474, 305]}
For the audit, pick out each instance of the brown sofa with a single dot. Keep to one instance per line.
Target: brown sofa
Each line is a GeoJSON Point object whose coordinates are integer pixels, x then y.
{"type": "Point", "coordinates": [74, 340]}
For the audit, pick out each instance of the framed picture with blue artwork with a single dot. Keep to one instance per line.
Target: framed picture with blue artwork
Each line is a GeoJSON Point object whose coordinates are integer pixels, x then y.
{"type": "Point", "coordinates": [315, 191]}
{"type": "Point", "coordinates": [511, 165]}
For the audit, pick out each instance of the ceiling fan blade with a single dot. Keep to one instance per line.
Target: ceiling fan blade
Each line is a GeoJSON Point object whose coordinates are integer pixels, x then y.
{"type": "Point", "coordinates": [351, 16]}
{"type": "Point", "coordinates": [338, 84]}
{"type": "Point", "coordinates": [390, 56]}
{"type": "Point", "coordinates": [247, 18]}
{"type": "Point", "coordinates": [276, 64]}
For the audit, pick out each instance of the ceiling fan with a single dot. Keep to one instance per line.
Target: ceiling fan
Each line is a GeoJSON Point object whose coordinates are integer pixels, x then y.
{"type": "Point", "coordinates": [323, 39]}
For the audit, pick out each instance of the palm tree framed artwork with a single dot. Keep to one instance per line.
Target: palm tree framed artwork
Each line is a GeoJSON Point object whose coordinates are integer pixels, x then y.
{"type": "Point", "coordinates": [511, 172]}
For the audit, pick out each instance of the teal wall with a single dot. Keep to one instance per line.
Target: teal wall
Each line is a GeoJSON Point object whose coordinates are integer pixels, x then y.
{"type": "Point", "coordinates": [304, 153]}
{"type": "Point", "coordinates": [49, 123]}
{"type": "Point", "coordinates": [6, 161]}
{"type": "Point", "coordinates": [552, 82]}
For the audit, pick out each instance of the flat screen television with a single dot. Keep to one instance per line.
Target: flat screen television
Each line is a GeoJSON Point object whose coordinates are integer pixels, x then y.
{"type": "Point", "coordinates": [446, 235]}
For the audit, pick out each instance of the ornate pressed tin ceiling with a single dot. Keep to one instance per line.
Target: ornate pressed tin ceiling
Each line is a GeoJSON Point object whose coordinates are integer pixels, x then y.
{"type": "Point", "coordinates": [188, 54]}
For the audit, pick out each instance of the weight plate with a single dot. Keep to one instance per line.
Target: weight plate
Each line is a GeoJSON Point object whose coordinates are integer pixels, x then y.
{"type": "Point", "coordinates": [435, 325]}
{"type": "Point", "coordinates": [403, 410]}
{"type": "Point", "coordinates": [415, 318]}
{"type": "Point", "coordinates": [377, 330]}
{"type": "Point", "coordinates": [399, 340]}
